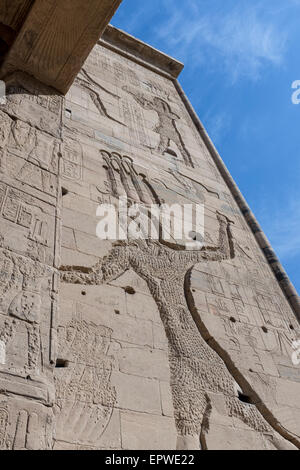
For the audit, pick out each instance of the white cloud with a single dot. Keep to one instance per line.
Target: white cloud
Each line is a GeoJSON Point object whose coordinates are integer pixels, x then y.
{"type": "Point", "coordinates": [240, 38]}
{"type": "Point", "coordinates": [217, 124]}
{"type": "Point", "coordinates": [283, 228]}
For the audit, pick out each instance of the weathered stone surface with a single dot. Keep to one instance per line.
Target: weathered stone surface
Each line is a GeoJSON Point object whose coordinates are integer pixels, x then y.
{"type": "Point", "coordinates": [141, 432]}
{"type": "Point", "coordinates": [145, 363]}
{"type": "Point", "coordinates": [131, 344]}
{"type": "Point", "coordinates": [56, 37]}
{"type": "Point", "coordinates": [25, 425]}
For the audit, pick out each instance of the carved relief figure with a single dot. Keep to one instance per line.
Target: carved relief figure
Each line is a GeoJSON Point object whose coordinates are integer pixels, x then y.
{"type": "Point", "coordinates": [278, 324]}
{"type": "Point", "coordinates": [38, 104]}
{"type": "Point", "coordinates": [28, 432]}
{"type": "Point", "coordinates": [166, 128]}
{"type": "Point", "coordinates": [40, 150]}
{"type": "Point", "coordinates": [133, 116]}
{"type": "Point", "coordinates": [197, 370]}
{"type": "Point", "coordinates": [25, 426]}
{"type": "Point", "coordinates": [84, 397]}
{"type": "Point", "coordinates": [156, 89]}
{"type": "Point", "coordinates": [41, 167]}
{"type": "Point", "coordinates": [93, 88]}
{"type": "Point", "coordinates": [20, 287]}
{"type": "Point", "coordinates": [123, 179]}
{"type": "Point", "coordinates": [192, 186]}
{"type": "Point", "coordinates": [125, 74]}
{"type": "Point", "coordinates": [22, 137]}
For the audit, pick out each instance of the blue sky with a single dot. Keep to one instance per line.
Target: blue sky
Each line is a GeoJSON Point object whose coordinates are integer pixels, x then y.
{"type": "Point", "coordinates": [241, 58]}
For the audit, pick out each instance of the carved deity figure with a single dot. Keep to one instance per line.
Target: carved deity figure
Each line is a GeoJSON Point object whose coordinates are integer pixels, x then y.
{"type": "Point", "coordinates": [85, 398]}
{"type": "Point", "coordinates": [196, 368]}
{"type": "Point", "coordinates": [94, 88]}
{"type": "Point", "coordinates": [166, 127]}
{"type": "Point", "coordinates": [20, 297]}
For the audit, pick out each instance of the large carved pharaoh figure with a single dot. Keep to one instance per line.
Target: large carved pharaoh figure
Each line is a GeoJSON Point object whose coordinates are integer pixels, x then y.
{"type": "Point", "coordinates": [197, 370]}
{"type": "Point", "coordinates": [166, 128]}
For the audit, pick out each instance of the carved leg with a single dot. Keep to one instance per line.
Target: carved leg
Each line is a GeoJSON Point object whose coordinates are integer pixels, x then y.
{"type": "Point", "coordinates": [281, 444]}
{"type": "Point", "coordinates": [194, 442]}
{"type": "Point", "coordinates": [186, 156]}
{"type": "Point", "coordinates": [97, 102]}
{"type": "Point", "coordinates": [192, 409]}
{"type": "Point", "coordinates": [163, 144]}
{"type": "Point", "coordinates": [250, 415]}
{"type": "Point", "coordinates": [187, 442]}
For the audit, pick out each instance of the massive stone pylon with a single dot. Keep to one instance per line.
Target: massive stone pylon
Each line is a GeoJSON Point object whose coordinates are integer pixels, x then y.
{"type": "Point", "coordinates": [188, 342]}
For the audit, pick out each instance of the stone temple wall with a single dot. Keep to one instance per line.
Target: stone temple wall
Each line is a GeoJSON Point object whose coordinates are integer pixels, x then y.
{"type": "Point", "coordinates": [138, 345]}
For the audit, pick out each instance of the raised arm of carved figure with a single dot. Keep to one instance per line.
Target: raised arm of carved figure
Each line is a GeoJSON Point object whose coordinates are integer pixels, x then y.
{"type": "Point", "coordinates": [225, 248]}
{"type": "Point", "coordinates": [112, 266]}
{"type": "Point", "coordinates": [174, 116]}
{"type": "Point", "coordinates": [90, 81]}
{"type": "Point", "coordinates": [141, 99]}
